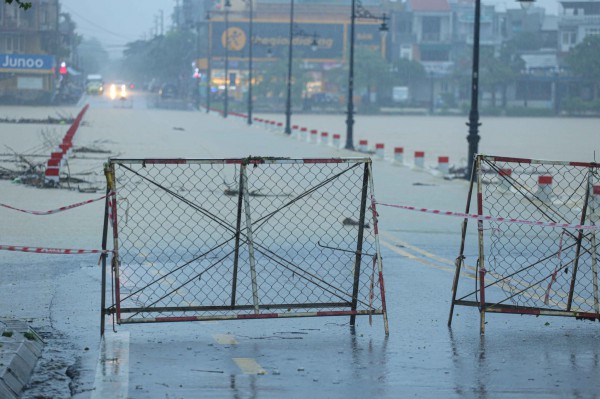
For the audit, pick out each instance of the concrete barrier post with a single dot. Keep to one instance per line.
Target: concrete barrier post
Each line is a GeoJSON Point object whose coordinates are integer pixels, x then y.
{"type": "Point", "coordinates": [443, 165]}
{"type": "Point", "coordinates": [380, 150]}
{"type": "Point", "coordinates": [314, 136]}
{"type": "Point", "coordinates": [303, 133]}
{"type": "Point", "coordinates": [363, 146]}
{"type": "Point", "coordinates": [544, 190]}
{"type": "Point", "coordinates": [399, 155]}
{"type": "Point", "coordinates": [324, 138]}
{"type": "Point", "coordinates": [337, 138]}
{"type": "Point", "coordinates": [420, 159]}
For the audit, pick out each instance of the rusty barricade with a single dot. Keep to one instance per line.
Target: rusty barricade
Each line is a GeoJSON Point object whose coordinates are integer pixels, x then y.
{"type": "Point", "coordinates": [242, 239]}
{"type": "Point", "coordinates": [537, 239]}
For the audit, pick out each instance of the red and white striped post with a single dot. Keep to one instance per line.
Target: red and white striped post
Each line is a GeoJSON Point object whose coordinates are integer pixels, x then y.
{"type": "Point", "coordinates": [66, 148]}
{"type": "Point", "coordinates": [302, 135]}
{"type": "Point", "coordinates": [324, 138]}
{"type": "Point", "coordinates": [380, 150]}
{"type": "Point", "coordinates": [544, 190]}
{"type": "Point", "coordinates": [295, 131]}
{"type": "Point", "coordinates": [363, 145]}
{"type": "Point", "coordinates": [280, 126]}
{"type": "Point", "coordinates": [399, 155]}
{"type": "Point", "coordinates": [59, 156]}
{"type": "Point", "coordinates": [504, 175]}
{"type": "Point", "coordinates": [420, 159]}
{"type": "Point", "coordinates": [443, 165]}
{"type": "Point", "coordinates": [52, 173]}
{"type": "Point", "coordinates": [337, 138]}
{"type": "Point", "coordinates": [314, 136]}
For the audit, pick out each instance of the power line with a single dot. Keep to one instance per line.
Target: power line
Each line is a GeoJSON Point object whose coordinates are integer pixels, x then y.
{"type": "Point", "coordinates": [71, 11]}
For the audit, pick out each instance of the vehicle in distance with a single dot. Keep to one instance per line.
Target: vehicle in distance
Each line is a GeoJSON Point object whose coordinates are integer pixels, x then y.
{"type": "Point", "coordinates": [118, 90]}
{"type": "Point", "coordinates": [167, 91]}
{"type": "Point", "coordinates": [94, 84]}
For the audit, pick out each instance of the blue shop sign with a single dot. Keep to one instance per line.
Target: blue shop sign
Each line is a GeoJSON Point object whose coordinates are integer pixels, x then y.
{"type": "Point", "coordinates": [26, 63]}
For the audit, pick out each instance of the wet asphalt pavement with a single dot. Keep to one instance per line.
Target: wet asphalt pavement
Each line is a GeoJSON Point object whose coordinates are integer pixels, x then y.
{"type": "Point", "coordinates": [519, 356]}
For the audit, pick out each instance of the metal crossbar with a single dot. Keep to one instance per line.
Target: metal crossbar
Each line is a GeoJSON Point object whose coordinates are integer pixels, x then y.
{"type": "Point", "coordinates": [529, 268]}
{"type": "Point", "coordinates": [243, 238]}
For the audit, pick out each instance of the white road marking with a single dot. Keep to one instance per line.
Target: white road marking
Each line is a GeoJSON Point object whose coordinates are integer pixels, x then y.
{"type": "Point", "coordinates": [225, 339]}
{"type": "Point", "coordinates": [249, 365]}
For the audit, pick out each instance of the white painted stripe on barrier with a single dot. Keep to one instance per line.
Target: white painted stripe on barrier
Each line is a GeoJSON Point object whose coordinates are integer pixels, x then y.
{"type": "Point", "coordinates": [495, 219]}
{"type": "Point", "coordinates": [112, 369]}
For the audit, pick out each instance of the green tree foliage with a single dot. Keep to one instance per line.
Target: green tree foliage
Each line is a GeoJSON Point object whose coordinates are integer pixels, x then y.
{"type": "Point", "coordinates": [406, 72]}
{"type": "Point", "coordinates": [166, 58]}
{"type": "Point", "coordinates": [584, 59]}
{"type": "Point", "coordinates": [371, 71]}
{"type": "Point", "coordinates": [22, 4]}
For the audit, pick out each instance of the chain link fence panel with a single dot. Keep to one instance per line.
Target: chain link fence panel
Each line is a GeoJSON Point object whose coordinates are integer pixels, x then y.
{"type": "Point", "coordinates": [536, 268]}
{"type": "Point", "coordinates": [244, 238]}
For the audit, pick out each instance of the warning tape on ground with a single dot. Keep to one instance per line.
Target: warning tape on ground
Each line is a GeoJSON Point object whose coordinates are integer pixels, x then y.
{"type": "Point", "coordinates": [494, 219]}
{"type": "Point", "coordinates": [55, 251]}
{"type": "Point", "coordinates": [62, 209]}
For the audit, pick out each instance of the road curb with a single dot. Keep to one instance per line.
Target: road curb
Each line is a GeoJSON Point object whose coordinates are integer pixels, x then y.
{"type": "Point", "coordinates": [19, 353]}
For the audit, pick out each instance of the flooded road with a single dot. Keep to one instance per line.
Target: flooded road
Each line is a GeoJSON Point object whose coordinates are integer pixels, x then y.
{"type": "Point", "coordinates": [296, 358]}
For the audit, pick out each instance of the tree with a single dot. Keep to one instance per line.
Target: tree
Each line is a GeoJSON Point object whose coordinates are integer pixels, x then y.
{"type": "Point", "coordinates": [22, 4]}
{"type": "Point", "coordinates": [499, 70]}
{"type": "Point", "coordinates": [371, 70]}
{"type": "Point", "coordinates": [584, 59]}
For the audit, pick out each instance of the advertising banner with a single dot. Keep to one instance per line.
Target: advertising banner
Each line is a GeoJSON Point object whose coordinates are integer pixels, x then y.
{"type": "Point", "coordinates": [271, 39]}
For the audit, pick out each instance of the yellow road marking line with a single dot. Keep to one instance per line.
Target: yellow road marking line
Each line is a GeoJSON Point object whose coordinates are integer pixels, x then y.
{"type": "Point", "coordinates": [249, 365]}
{"type": "Point", "coordinates": [225, 339]}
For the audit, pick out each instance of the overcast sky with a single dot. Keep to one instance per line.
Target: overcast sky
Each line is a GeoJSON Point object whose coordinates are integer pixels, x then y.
{"type": "Point", "coordinates": [116, 22]}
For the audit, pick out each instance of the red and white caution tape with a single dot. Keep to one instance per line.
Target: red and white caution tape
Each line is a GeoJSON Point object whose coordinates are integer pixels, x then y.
{"type": "Point", "coordinates": [54, 251]}
{"type": "Point", "coordinates": [62, 209]}
{"type": "Point", "coordinates": [495, 219]}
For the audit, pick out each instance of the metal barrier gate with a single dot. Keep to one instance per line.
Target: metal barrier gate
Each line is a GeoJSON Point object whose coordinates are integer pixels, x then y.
{"type": "Point", "coordinates": [242, 239]}
{"type": "Point", "coordinates": [538, 252]}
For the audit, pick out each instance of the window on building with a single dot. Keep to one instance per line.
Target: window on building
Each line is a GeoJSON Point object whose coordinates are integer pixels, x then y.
{"type": "Point", "coordinates": [431, 29]}
{"type": "Point", "coordinates": [569, 38]}
{"type": "Point", "coordinates": [435, 55]}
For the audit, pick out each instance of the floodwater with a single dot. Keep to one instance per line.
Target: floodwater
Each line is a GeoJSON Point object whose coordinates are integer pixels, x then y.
{"type": "Point", "coordinates": [561, 139]}
{"type": "Point", "coordinates": [321, 357]}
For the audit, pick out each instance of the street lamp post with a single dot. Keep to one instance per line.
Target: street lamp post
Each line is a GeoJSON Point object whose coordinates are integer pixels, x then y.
{"type": "Point", "coordinates": [473, 137]}
{"type": "Point", "coordinates": [208, 63]}
{"type": "Point", "coordinates": [226, 99]}
{"type": "Point", "coordinates": [473, 123]}
{"type": "Point", "coordinates": [288, 98]}
{"type": "Point", "coordinates": [250, 45]}
{"type": "Point", "coordinates": [356, 12]}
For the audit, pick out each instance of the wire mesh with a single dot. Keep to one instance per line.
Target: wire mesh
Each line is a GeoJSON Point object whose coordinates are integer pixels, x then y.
{"type": "Point", "coordinates": [217, 239]}
{"type": "Point", "coordinates": [537, 267]}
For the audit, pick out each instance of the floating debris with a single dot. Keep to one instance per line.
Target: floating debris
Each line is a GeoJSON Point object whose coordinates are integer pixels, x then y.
{"type": "Point", "coordinates": [352, 222]}
{"type": "Point", "coordinates": [48, 121]}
